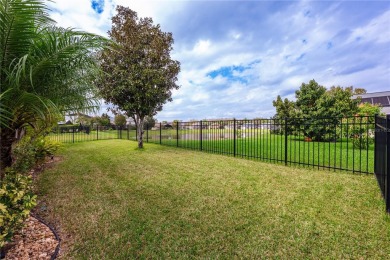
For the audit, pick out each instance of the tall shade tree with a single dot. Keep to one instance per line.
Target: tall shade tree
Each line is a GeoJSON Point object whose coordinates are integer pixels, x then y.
{"type": "Point", "coordinates": [44, 70]}
{"type": "Point", "coordinates": [139, 74]}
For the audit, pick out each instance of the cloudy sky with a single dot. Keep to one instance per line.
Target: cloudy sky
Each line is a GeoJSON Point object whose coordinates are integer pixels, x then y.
{"type": "Point", "coordinates": [237, 56]}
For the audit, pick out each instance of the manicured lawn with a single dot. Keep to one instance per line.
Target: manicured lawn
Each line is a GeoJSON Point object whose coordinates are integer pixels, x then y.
{"type": "Point", "coordinates": [117, 202]}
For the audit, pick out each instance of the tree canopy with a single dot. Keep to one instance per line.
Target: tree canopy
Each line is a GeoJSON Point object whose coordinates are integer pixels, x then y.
{"type": "Point", "coordinates": [120, 120]}
{"type": "Point", "coordinates": [139, 74]}
{"type": "Point", "coordinates": [318, 107]}
{"type": "Point", "coordinates": [149, 122]}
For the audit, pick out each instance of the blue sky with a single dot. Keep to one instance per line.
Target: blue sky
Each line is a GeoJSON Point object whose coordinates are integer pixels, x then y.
{"type": "Point", "coordinates": [237, 56]}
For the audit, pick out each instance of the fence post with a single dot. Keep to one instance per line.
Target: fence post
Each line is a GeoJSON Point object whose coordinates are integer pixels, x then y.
{"type": "Point", "coordinates": [234, 137]}
{"type": "Point", "coordinates": [201, 137]}
{"type": "Point", "coordinates": [73, 134]}
{"type": "Point", "coordinates": [387, 187]}
{"type": "Point", "coordinates": [147, 133]}
{"type": "Point", "coordinates": [285, 140]}
{"type": "Point", "coordinates": [97, 132]}
{"type": "Point", "coordinates": [375, 141]}
{"type": "Point", "coordinates": [160, 132]}
{"type": "Point", "coordinates": [177, 133]}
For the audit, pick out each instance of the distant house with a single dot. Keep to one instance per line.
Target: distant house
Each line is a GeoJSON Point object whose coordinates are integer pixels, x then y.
{"type": "Point", "coordinates": [214, 126]}
{"type": "Point", "coordinates": [255, 125]}
{"type": "Point", "coordinates": [73, 118]}
{"type": "Point", "coordinates": [381, 98]}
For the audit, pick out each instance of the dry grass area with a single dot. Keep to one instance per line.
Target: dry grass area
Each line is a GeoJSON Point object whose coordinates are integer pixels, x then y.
{"type": "Point", "coordinates": [113, 201]}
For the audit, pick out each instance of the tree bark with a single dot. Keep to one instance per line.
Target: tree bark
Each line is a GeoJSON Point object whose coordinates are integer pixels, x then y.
{"type": "Point", "coordinates": [139, 121]}
{"type": "Point", "coordinates": [7, 138]}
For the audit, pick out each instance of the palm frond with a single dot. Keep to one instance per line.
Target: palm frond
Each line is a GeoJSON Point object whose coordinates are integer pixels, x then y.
{"type": "Point", "coordinates": [19, 21]}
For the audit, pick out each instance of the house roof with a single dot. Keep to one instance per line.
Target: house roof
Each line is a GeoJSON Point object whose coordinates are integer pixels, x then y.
{"type": "Point", "coordinates": [79, 114]}
{"type": "Point", "coordinates": [381, 98]}
{"type": "Point", "coordinates": [373, 94]}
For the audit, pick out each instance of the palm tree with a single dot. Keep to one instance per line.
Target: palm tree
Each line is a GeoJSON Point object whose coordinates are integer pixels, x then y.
{"type": "Point", "coordinates": [44, 70]}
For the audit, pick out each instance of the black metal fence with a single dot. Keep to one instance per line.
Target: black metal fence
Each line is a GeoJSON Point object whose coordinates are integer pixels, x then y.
{"type": "Point", "coordinates": [382, 156]}
{"type": "Point", "coordinates": [322, 143]}
{"type": "Point", "coordinates": [80, 133]}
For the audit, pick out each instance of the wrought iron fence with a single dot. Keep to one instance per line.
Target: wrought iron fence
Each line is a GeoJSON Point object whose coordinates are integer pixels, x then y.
{"type": "Point", "coordinates": [80, 133]}
{"type": "Point", "coordinates": [382, 157]}
{"type": "Point", "coordinates": [322, 143]}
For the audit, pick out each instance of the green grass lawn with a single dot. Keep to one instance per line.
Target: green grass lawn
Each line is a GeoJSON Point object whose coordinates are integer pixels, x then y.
{"type": "Point", "coordinates": [114, 201]}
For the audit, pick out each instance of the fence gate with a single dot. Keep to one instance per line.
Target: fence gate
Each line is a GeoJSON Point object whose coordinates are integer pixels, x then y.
{"type": "Point", "coordinates": [382, 156]}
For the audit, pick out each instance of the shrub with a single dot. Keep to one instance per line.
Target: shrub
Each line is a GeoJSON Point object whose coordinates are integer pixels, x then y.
{"type": "Point", "coordinates": [44, 147]}
{"type": "Point", "coordinates": [28, 152]}
{"type": "Point", "coordinates": [362, 142]}
{"type": "Point", "coordinates": [16, 201]}
{"type": "Point", "coordinates": [23, 156]}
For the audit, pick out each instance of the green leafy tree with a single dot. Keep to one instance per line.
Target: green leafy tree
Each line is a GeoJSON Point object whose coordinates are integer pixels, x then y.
{"type": "Point", "coordinates": [368, 109]}
{"type": "Point", "coordinates": [317, 110]}
{"type": "Point", "coordinates": [307, 97]}
{"type": "Point", "coordinates": [104, 120]}
{"type": "Point", "coordinates": [44, 70]}
{"type": "Point", "coordinates": [284, 109]}
{"type": "Point", "coordinates": [149, 122]}
{"type": "Point", "coordinates": [139, 74]}
{"type": "Point", "coordinates": [358, 91]}
{"type": "Point", "coordinates": [337, 102]}
{"type": "Point", "coordinates": [120, 120]}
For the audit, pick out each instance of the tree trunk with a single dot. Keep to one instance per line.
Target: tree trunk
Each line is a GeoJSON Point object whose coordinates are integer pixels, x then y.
{"type": "Point", "coordinates": [139, 121]}
{"type": "Point", "coordinates": [7, 138]}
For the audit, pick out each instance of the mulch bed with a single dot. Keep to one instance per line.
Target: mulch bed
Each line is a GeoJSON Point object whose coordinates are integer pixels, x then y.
{"type": "Point", "coordinates": [36, 240]}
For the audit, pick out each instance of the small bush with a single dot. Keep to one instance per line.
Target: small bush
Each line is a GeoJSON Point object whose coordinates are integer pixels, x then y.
{"type": "Point", "coordinates": [28, 153]}
{"type": "Point", "coordinates": [16, 202]}
{"type": "Point", "coordinates": [44, 147]}
{"type": "Point", "coordinates": [362, 142]}
{"type": "Point", "coordinates": [23, 156]}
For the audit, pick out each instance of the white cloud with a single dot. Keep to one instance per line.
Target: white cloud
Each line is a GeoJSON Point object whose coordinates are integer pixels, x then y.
{"type": "Point", "coordinates": [80, 15]}
{"type": "Point", "coordinates": [377, 30]}
{"type": "Point", "coordinates": [202, 47]}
